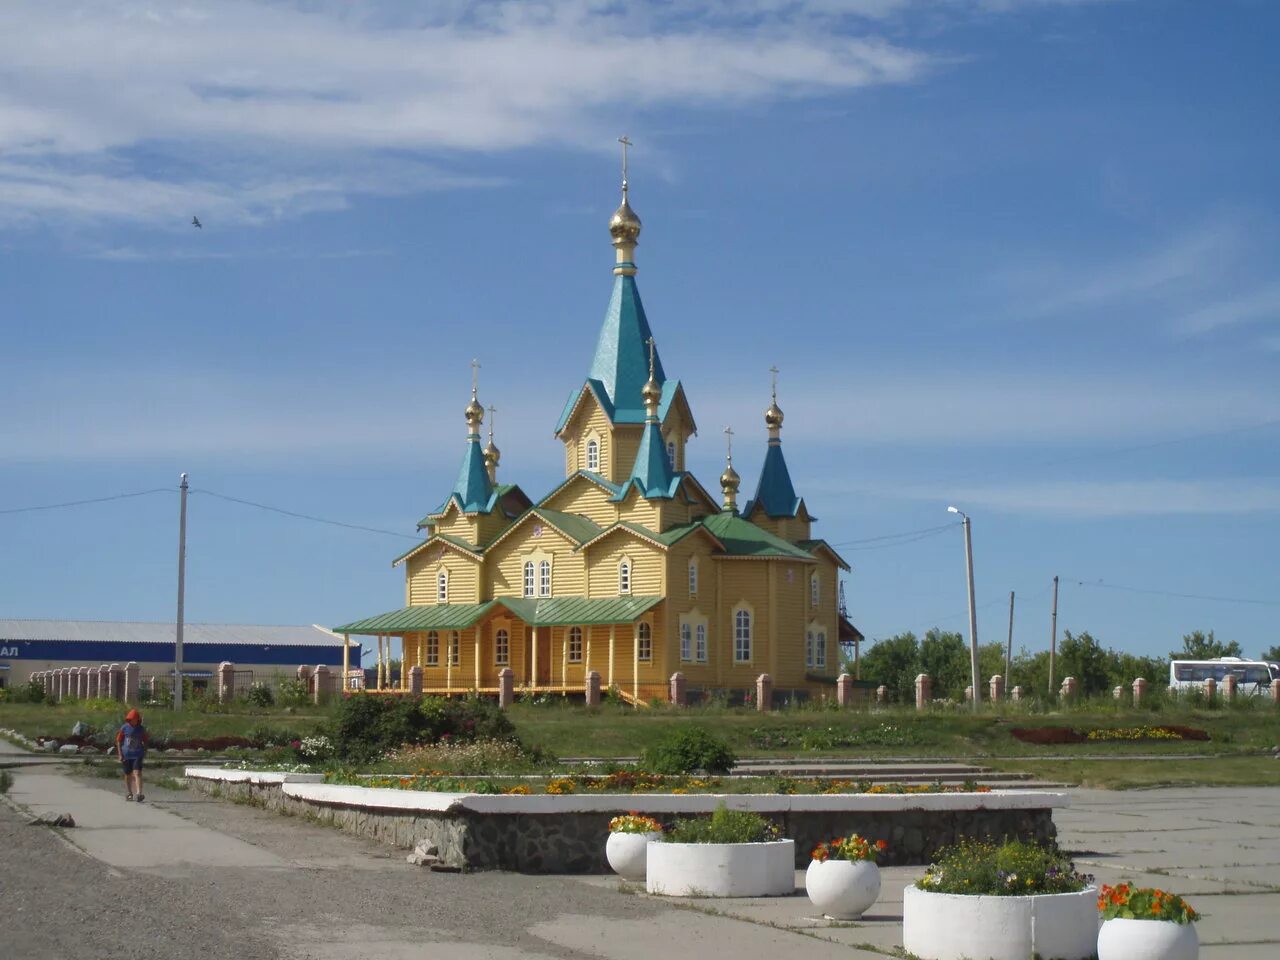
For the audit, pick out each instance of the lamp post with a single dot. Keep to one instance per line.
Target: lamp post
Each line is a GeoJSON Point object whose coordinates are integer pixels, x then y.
{"type": "Point", "coordinates": [973, 614]}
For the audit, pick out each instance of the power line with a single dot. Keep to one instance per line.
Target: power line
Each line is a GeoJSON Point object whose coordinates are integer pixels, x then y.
{"type": "Point", "coordinates": [306, 516]}
{"type": "Point", "coordinates": [80, 503]}
{"type": "Point", "coordinates": [1168, 593]}
{"type": "Point", "coordinates": [913, 534]}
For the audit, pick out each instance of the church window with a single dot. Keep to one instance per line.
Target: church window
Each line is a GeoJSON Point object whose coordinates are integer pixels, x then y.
{"type": "Point", "coordinates": [544, 578]}
{"type": "Point", "coordinates": [808, 649]}
{"type": "Point", "coordinates": [433, 649]}
{"type": "Point", "coordinates": [455, 648]}
{"type": "Point", "coordinates": [742, 636]}
{"type": "Point", "coordinates": [686, 642]}
{"type": "Point", "coordinates": [813, 589]}
{"type": "Point", "coordinates": [575, 644]}
{"type": "Point", "coordinates": [442, 587]}
{"type": "Point", "coordinates": [671, 453]}
{"type": "Point", "coordinates": [624, 576]}
{"type": "Point", "coordinates": [528, 578]}
{"type": "Point", "coordinates": [501, 648]}
{"type": "Point", "coordinates": [644, 642]}
{"type": "Point", "coordinates": [820, 651]}
{"type": "Point", "coordinates": [593, 456]}
{"type": "Point", "coordinates": [693, 578]}
{"type": "Point", "coordinates": [700, 643]}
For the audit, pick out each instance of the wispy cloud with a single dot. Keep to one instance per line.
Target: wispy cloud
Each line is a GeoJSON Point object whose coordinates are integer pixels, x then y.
{"type": "Point", "coordinates": [1257, 305]}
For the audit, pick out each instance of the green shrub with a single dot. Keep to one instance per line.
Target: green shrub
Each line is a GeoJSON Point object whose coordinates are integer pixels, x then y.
{"type": "Point", "coordinates": [723, 826]}
{"type": "Point", "coordinates": [292, 693]}
{"type": "Point", "coordinates": [367, 726]}
{"type": "Point", "coordinates": [688, 749]}
{"type": "Point", "coordinates": [6, 781]}
{"type": "Point", "coordinates": [1012, 869]}
{"type": "Point", "coordinates": [259, 695]}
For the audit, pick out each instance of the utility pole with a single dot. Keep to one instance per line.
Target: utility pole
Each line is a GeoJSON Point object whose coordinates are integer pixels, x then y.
{"type": "Point", "coordinates": [1008, 650]}
{"type": "Point", "coordinates": [973, 613]}
{"type": "Point", "coordinates": [182, 591]}
{"type": "Point", "coordinates": [1053, 636]}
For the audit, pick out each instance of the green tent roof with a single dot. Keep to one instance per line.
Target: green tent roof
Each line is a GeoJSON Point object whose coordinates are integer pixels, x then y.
{"type": "Point", "coordinates": [742, 538]}
{"type": "Point", "coordinates": [444, 616]}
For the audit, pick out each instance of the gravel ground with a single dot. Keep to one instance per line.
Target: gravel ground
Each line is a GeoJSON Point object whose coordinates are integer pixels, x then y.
{"type": "Point", "coordinates": [340, 897]}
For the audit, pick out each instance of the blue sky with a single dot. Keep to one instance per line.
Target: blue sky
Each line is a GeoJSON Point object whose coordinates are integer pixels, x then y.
{"type": "Point", "coordinates": [1019, 255]}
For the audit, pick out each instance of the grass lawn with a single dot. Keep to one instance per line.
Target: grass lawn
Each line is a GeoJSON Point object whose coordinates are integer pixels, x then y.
{"type": "Point", "coordinates": [1250, 771]}
{"type": "Point", "coordinates": [37, 720]}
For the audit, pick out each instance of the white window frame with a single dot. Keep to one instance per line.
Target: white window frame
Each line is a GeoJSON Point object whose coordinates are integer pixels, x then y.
{"type": "Point", "coordinates": [593, 455]}
{"type": "Point", "coordinates": [815, 589]}
{"type": "Point", "coordinates": [624, 577]}
{"type": "Point", "coordinates": [671, 453]}
{"type": "Point", "coordinates": [820, 650]}
{"type": "Point", "coordinates": [502, 647]}
{"type": "Point", "coordinates": [529, 580]}
{"type": "Point", "coordinates": [700, 642]}
{"type": "Point", "coordinates": [575, 644]}
{"type": "Point", "coordinates": [442, 586]}
{"type": "Point", "coordinates": [686, 642]}
{"type": "Point", "coordinates": [808, 649]}
{"type": "Point", "coordinates": [544, 578]}
{"type": "Point", "coordinates": [742, 618]}
{"type": "Point", "coordinates": [433, 648]}
{"type": "Point", "coordinates": [644, 642]}
{"type": "Point", "coordinates": [455, 648]}
{"type": "Point", "coordinates": [693, 578]}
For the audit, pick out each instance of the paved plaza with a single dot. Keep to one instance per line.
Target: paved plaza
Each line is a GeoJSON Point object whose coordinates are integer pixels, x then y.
{"type": "Point", "coordinates": [184, 877]}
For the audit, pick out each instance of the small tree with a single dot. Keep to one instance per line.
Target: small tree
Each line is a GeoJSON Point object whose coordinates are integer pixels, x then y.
{"type": "Point", "coordinates": [1272, 654]}
{"type": "Point", "coordinates": [894, 661]}
{"type": "Point", "coordinates": [1199, 646]}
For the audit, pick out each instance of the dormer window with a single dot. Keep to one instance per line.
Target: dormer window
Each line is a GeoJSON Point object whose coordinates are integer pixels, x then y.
{"type": "Point", "coordinates": [442, 587]}
{"type": "Point", "coordinates": [813, 589]}
{"type": "Point", "coordinates": [693, 578]}
{"type": "Point", "coordinates": [544, 578]}
{"type": "Point", "coordinates": [528, 578]}
{"type": "Point", "coordinates": [624, 576]}
{"type": "Point", "coordinates": [593, 456]}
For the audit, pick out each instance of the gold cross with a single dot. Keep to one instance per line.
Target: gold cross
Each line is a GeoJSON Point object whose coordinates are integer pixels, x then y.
{"type": "Point", "coordinates": [626, 142]}
{"type": "Point", "coordinates": [652, 347]}
{"type": "Point", "coordinates": [475, 377]}
{"type": "Point", "coordinates": [774, 371]}
{"type": "Point", "coordinates": [492, 411]}
{"type": "Point", "coordinates": [728, 444]}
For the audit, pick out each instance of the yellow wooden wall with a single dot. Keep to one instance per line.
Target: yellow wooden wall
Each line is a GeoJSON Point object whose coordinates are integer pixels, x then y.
{"type": "Point", "coordinates": [647, 567]}
{"type": "Point", "coordinates": [587, 499]}
{"type": "Point", "coordinates": [421, 576]}
{"type": "Point", "coordinates": [505, 563]}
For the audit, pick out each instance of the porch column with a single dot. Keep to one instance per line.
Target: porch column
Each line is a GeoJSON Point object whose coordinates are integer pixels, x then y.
{"type": "Point", "coordinates": [380, 662]}
{"type": "Point", "coordinates": [564, 659]}
{"type": "Point", "coordinates": [533, 662]}
{"type": "Point", "coordinates": [448, 659]}
{"type": "Point", "coordinates": [477, 656]}
{"type": "Point", "coordinates": [346, 659]}
{"type": "Point", "coordinates": [613, 639]}
{"type": "Point", "coordinates": [635, 664]}
{"type": "Point", "coordinates": [586, 654]}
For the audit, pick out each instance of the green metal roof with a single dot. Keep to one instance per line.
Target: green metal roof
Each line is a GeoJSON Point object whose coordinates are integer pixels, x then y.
{"type": "Point", "coordinates": [812, 545]}
{"type": "Point", "coordinates": [444, 616]}
{"type": "Point", "coordinates": [443, 537]}
{"type": "Point", "coordinates": [573, 525]}
{"type": "Point", "coordinates": [774, 490]}
{"type": "Point", "coordinates": [742, 538]}
{"type": "Point", "coordinates": [545, 612]}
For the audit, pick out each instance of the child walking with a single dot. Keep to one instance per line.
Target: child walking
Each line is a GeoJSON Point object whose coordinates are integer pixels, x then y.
{"type": "Point", "coordinates": [131, 745]}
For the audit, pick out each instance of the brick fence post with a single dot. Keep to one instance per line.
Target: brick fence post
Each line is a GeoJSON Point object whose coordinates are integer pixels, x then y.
{"type": "Point", "coordinates": [1070, 687]}
{"type": "Point", "coordinates": [78, 679]}
{"type": "Point", "coordinates": [86, 675]}
{"type": "Point", "coordinates": [1210, 689]}
{"type": "Point", "coordinates": [677, 691]}
{"type": "Point", "coordinates": [968, 694]}
{"type": "Point", "coordinates": [592, 688]}
{"type": "Point", "coordinates": [506, 687]}
{"type": "Point", "coordinates": [415, 680]}
{"type": "Point", "coordinates": [1139, 691]}
{"type": "Point", "coordinates": [1015, 693]}
{"type": "Point", "coordinates": [116, 674]}
{"type": "Point", "coordinates": [997, 688]}
{"type": "Point", "coordinates": [882, 694]}
{"type": "Point", "coordinates": [225, 677]}
{"type": "Point", "coordinates": [764, 693]}
{"type": "Point", "coordinates": [924, 691]}
{"type": "Point", "coordinates": [1118, 692]}
{"type": "Point", "coordinates": [104, 682]}
{"type": "Point", "coordinates": [1275, 692]}
{"type": "Point", "coordinates": [131, 682]}
{"type": "Point", "coordinates": [844, 690]}
{"type": "Point", "coordinates": [1229, 684]}
{"type": "Point", "coordinates": [322, 683]}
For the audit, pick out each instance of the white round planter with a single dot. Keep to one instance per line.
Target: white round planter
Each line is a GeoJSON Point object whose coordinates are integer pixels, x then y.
{"type": "Point", "coordinates": [951, 926]}
{"type": "Point", "coordinates": [842, 889]}
{"type": "Point", "coordinates": [626, 853]}
{"type": "Point", "coordinates": [722, 869]}
{"type": "Point", "coordinates": [1124, 939]}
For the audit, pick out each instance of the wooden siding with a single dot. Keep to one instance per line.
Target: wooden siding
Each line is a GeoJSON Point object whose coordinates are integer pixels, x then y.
{"type": "Point", "coordinates": [506, 561]}
{"type": "Point", "coordinates": [602, 566]}
{"type": "Point", "coordinates": [587, 499]}
{"type": "Point", "coordinates": [421, 577]}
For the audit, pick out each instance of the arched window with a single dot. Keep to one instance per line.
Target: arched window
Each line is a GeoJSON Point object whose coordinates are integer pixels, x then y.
{"type": "Point", "coordinates": [433, 649]}
{"type": "Point", "coordinates": [671, 453]}
{"type": "Point", "coordinates": [808, 649]}
{"type": "Point", "coordinates": [742, 636]}
{"type": "Point", "coordinates": [813, 589]}
{"type": "Point", "coordinates": [544, 578]}
{"type": "Point", "coordinates": [693, 578]}
{"type": "Point", "coordinates": [820, 651]}
{"type": "Point", "coordinates": [593, 456]}
{"type": "Point", "coordinates": [686, 642]}
{"type": "Point", "coordinates": [644, 641]}
{"type": "Point", "coordinates": [575, 644]}
{"type": "Point", "coordinates": [528, 578]}
{"type": "Point", "coordinates": [455, 648]}
{"type": "Point", "coordinates": [624, 576]}
{"type": "Point", "coordinates": [442, 587]}
{"type": "Point", "coordinates": [700, 643]}
{"type": "Point", "coordinates": [501, 647]}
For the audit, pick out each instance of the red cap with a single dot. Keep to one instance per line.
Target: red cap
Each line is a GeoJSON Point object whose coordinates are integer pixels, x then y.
{"type": "Point", "coordinates": [133, 717]}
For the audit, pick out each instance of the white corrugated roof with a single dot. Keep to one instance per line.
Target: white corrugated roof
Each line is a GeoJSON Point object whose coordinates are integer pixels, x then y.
{"type": "Point", "coordinates": [122, 631]}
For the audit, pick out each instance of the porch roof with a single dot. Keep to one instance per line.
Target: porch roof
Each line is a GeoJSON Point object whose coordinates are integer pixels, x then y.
{"type": "Point", "coordinates": [544, 612]}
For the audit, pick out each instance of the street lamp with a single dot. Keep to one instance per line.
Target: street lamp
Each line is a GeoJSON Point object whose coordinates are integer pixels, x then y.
{"type": "Point", "coordinates": [973, 615]}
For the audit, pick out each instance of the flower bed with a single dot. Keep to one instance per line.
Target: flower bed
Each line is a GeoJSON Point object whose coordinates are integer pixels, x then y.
{"type": "Point", "coordinates": [1053, 736]}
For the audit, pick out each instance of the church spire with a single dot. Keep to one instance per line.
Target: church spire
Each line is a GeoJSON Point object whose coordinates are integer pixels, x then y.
{"type": "Point", "coordinates": [729, 480]}
{"type": "Point", "coordinates": [653, 470]}
{"type": "Point", "coordinates": [624, 225]}
{"type": "Point", "coordinates": [491, 452]}
{"type": "Point", "coordinates": [473, 487]}
{"type": "Point", "coordinates": [774, 491]}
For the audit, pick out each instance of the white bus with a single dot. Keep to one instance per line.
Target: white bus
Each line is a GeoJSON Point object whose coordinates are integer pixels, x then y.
{"type": "Point", "coordinates": [1253, 677]}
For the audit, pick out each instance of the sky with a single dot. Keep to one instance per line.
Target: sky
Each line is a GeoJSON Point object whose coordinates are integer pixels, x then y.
{"type": "Point", "coordinates": [1019, 256]}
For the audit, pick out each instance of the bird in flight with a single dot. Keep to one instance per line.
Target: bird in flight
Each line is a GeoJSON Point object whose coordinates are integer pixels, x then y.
{"type": "Point", "coordinates": [195, 222]}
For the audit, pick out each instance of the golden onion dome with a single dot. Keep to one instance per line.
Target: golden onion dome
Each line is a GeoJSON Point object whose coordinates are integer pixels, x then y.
{"type": "Point", "coordinates": [474, 413]}
{"type": "Point", "coordinates": [773, 416]}
{"type": "Point", "coordinates": [491, 452]}
{"type": "Point", "coordinates": [729, 480]}
{"type": "Point", "coordinates": [624, 225]}
{"type": "Point", "coordinates": [651, 392]}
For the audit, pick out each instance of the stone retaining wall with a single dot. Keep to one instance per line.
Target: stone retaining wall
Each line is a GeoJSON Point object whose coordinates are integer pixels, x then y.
{"type": "Point", "coordinates": [573, 841]}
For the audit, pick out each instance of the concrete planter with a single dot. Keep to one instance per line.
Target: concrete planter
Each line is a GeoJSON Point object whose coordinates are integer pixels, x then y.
{"type": "Point", "coordinates": [842, 889]}
{"type": "Point", "coordinates": [951, 926]}
{"type": "Point", "coordinates": [626, 853]}
{"type": "Point", "coordinates": [721, 869]}
{"type": "Point", "coordinates": [1124, 939]}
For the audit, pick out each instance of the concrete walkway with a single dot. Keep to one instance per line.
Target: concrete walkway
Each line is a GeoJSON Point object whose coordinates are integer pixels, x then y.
{"type": "Point", "coordinates": [302, 891]}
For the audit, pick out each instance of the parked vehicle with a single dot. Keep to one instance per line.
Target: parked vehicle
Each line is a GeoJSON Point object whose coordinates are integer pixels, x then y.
{"type": "Point", "coordinates": [1253, 677]}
